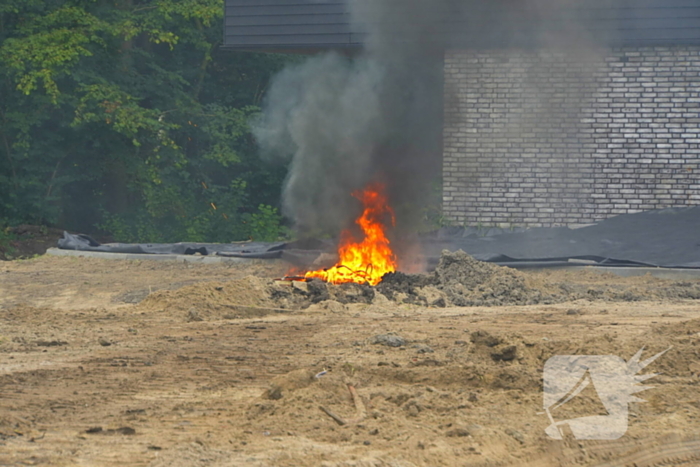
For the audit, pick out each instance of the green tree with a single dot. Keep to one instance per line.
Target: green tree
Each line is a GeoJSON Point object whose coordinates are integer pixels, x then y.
{"type": "Point", "coordinates": [128, 115]}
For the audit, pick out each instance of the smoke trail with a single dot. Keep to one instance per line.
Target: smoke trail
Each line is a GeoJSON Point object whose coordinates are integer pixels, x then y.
{"type": "Point", "coordinates": [345, 121]}
{"type": "Point", "coordinates": [326, 115]}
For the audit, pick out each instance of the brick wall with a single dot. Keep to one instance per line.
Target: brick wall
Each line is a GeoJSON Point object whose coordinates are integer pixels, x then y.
{"type": "Point", "coordinates": [546, 138]}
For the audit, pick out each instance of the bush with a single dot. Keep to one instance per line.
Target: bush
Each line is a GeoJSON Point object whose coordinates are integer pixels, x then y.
{"type": "Point", "coordinates": [132, 120]}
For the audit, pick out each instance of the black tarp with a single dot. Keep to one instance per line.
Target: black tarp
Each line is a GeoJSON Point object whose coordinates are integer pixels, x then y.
{"type": "Point", "coordinates": [245, 250]}
{"type": "Point", "coordinates": [253, 250]}
{"type": "Point", "coordinates": [667, 238]}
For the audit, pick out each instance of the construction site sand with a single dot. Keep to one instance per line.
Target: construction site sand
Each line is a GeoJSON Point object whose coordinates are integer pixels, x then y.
{"type": "Point", "coordinates": [182, 365]}
{"type": "Point", "coordinates": [459, 280]}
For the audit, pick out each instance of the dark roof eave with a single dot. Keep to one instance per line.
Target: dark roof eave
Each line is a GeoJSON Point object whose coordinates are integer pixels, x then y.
{"type": "Point", "coordinates": [353, 47]}
{"type": "Point", "coordinates": [293, 49]}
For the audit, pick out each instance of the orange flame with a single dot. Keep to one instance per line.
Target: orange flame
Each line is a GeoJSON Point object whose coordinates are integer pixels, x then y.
{"type": "Point", "coordinates": [367, 261]}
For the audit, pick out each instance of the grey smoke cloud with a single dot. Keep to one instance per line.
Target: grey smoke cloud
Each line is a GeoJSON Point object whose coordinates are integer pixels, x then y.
{"type": "Point", "coordinates": [345, 121]}
{"type": "Point", "coordinates": [325, 114]}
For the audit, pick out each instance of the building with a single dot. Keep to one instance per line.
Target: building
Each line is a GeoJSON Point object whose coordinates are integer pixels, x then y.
{"type": "Point", "coordinates": [536, 134]}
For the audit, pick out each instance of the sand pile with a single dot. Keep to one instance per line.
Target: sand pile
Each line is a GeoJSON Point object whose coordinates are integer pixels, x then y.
{"type": "Point", "coordinates": [458, 280]}
{"type": "Point", "coordinates": [247, 297]}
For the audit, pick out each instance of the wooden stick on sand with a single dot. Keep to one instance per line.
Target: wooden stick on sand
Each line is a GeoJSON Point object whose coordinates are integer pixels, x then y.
{"type": "Point", "coordinates": [360, 415]}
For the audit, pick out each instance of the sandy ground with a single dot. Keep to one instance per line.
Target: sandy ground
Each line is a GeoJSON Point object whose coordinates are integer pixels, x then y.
{"type": "Point", "coordinates": [163, 364]}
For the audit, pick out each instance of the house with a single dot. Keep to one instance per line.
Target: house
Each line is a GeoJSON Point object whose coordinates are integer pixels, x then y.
{"type": "Point", "coordinates": [536, 133]}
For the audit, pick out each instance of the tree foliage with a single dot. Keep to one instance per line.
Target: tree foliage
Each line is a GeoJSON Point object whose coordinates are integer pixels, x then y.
{"type": "Point", "coordinates": [127, 116]}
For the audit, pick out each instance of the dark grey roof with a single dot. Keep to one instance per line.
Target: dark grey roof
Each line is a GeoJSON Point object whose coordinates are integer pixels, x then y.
{"type": "Point", "coordinates": [287, 24]}
{"type": "Point", "coordinates": [319, 24]}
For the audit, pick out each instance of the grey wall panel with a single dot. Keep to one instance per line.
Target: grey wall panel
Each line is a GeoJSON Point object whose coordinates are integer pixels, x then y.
{"type": "Point", "coordinates": [266, 10]}
{"type": "Point", "coordinates": [274, 24]}
{"type": "Point", "coordinates": [660, 4]}
{"type": "Point", "coordinates": [293, 29]}
{"type": "Point", "coordinates": [274, 20]}
{"type": "Point", "coordinates": [283, 2]}
{"type": "Point", "coordinates": [318, 40]}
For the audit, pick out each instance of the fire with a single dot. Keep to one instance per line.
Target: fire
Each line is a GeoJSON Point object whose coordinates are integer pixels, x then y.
{"type": "Point", "coordinates": [367, 261]}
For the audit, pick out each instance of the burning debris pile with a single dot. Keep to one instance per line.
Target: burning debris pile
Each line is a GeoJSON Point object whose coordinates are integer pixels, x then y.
{"type": "Point", "coordinates": [458, 280]}
{"type": "Point", "coordinates": [366, 271]}
{"type": "Point", "coordinates": [368, 260]}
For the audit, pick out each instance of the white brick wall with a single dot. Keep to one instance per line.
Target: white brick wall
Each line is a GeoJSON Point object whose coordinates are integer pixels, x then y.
{"type": "Point", "coordinates": [545, 138]}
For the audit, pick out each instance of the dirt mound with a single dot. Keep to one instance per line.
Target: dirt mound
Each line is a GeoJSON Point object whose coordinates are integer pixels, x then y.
{"type": "Point", "coordinates": [301, 295]}
{"type": "Point", "coordinates": [412, 288]}
{"type": "Point", "coordinates": [458, 280]}
{"type": "Point", "coordinates": [247, 297]}
{"type": "Point", "coordinates": [461, 280]}
{"type": "Point", "coordinates": [469, 282]}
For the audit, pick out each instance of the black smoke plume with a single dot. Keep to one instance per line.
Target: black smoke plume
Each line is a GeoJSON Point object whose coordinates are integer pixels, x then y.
{"type": "Point", "coordinates": [376, 114]}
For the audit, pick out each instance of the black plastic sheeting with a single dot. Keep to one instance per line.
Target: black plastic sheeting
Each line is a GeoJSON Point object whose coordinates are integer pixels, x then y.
{"type": "Point", "coordinates": [253, 250]}
{"type": "Point", "coordinates": [666, 238]}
